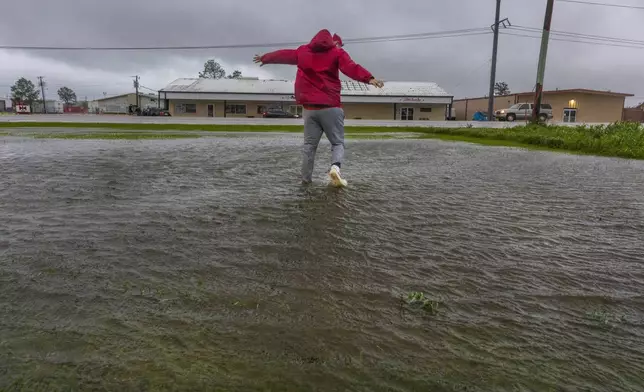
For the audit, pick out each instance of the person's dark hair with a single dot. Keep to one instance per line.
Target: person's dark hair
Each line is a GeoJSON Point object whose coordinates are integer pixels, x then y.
{"type": "Point", "coordinates": [337, 39]}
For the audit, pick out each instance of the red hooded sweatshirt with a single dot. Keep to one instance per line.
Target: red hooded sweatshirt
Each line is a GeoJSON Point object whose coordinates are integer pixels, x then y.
{"type": "Point", "coordinates": [317, 83]}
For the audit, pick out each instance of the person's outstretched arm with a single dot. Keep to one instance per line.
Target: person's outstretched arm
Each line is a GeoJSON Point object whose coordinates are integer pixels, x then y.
{"type": "Point", "coordinates": [284, 56]}
{"type": "Point", "coordinates": [355, 71]}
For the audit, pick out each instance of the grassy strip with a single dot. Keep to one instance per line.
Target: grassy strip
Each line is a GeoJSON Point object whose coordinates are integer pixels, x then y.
{"type": "Point", "coordinates": [116, 136]}
{"type": "Point", "coordinates": [158, 127]}
{"type": "Point", "coordinates": [624, 140]}
{"type": "Point", "coordinates": [152, 135]}
{"type": "Point", "coordinates": [202, 127]}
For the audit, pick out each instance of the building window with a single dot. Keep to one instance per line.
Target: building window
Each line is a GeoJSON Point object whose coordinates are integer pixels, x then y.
{"type": "Point", "coordinates": [261, 109]}
{"type": "Point", "coordinates": [407, 114]}
{"type": "Point", "coordinates": [182, 108]}
{"type": "Point", "coordinates": [236, 109]}
{"type": "Point", "coordinates": [425, 110]}
{"type": "Point", "coordinates": [296, 109]}
{"type": "Point", "coordinates": [570, 115]}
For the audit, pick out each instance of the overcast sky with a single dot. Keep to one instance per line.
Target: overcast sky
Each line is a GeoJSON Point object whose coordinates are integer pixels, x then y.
{"type": "Point", "coordinates": [460, 65]}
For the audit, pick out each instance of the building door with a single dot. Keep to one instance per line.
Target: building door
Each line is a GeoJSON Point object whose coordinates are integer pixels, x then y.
{"type": "Point", "coordinates": [570, 115]}
{"type": "Point", "coordinates": [211, 110]}
{"type": "Point", "coordinates": [296, 110]}
{"type": "Point", "coordinates": [407, 114]}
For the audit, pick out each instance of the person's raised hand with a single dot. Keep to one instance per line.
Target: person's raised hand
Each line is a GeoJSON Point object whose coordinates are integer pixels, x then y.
{"type": "Point", "coordinates": [258, 60]}
{"type": "Point", "coordinates": [377, 83]}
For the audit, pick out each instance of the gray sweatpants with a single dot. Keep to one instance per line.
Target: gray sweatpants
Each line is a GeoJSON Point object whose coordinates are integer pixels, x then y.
{"type": "Point", "coordinates": [316, 122]}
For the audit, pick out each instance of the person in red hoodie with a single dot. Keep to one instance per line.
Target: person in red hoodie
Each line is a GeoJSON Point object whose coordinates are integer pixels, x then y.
{"type": "Point", "coordinates": [317, 89]}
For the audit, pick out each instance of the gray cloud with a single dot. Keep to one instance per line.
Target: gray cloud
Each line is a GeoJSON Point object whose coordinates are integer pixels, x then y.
{"type": "Point", "coordinates": [460, 65]}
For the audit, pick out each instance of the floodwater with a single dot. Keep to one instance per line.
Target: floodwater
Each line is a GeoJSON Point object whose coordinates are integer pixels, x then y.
{"type": "Point", "coordinates": [204, 265]}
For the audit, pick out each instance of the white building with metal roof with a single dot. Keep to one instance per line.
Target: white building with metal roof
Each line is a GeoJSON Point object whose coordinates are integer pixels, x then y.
{"type": "Point", "coordinates": [121, 104]}
{"type": "Point", "coordinates": [251, 97]}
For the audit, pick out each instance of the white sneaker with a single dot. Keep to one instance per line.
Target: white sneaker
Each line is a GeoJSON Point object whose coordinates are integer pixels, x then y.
{"type": "Point", "coordinates": [336, 177]}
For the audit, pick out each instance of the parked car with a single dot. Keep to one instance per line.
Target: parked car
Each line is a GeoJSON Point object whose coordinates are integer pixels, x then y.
{"type": "Point", "coordinates": [523, 111]}
{"type": "Point", "coordinates": [278, 113]}
{"type": "Point", "coordinates": [154, 112]}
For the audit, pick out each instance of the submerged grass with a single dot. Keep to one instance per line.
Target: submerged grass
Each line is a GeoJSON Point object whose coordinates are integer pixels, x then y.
{"type": "Point", "coordinates": [625, 140]}
{"type": "Point", "coordinates": [605, 318]}
{"type": "Point", "coordinates": [419, 301]}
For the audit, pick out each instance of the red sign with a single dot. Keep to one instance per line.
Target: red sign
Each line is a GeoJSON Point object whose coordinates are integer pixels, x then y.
{"type": "Point", "coordinates": [22, 109]}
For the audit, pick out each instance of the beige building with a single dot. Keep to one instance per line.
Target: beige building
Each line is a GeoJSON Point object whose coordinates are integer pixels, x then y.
{"type": "Point", "coordinates": [574, 105]}
{"type": "Point", "coordinates": [120, 104]}
{"type": "Point", "coordinates": [251, 97]}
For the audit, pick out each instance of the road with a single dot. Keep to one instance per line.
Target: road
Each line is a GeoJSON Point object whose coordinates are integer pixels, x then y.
{"type": "Point", "coordinates": [116, 119]}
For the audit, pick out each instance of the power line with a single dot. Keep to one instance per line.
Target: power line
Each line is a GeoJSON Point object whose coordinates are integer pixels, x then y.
{"type": "Point", "coordinates": [148, 88]}
{"type": "Point", "coordinates": [455, 33]}
{"type": "Point", "coordinates": [576, 41]}
{"type": "Point", "coordinates": [386, 38]}
{"type": "Point", "coordinates": [467, 76]}
{"type": "Point", "coordinates": [634, 7]}
{"type": "Point", "coordinates": [582, 36]}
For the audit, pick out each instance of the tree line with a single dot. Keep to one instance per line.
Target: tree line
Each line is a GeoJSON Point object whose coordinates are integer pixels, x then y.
{"type": "Point", "coordinates": [214, 70]}
{"type": "Point", "coordinates": [24, 90]}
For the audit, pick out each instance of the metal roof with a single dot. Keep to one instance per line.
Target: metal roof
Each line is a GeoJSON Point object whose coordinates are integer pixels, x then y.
{"type": "Point", "coordinates": [558, 91]}
{"type": "Point", "coordinates": [283, 87]}
{"type": "Point", "coordinates": [143, 95]}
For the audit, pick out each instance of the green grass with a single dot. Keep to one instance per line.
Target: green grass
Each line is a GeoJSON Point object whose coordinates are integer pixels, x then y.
{"type": "Point", "coordinates": [605, 318]}
{"type": "Point", "coordinates": [116, 136]}
{"type": "Point", "coordinates": [419, 301]}
{"type": "Point", "coordinates": [158, 127]}
{"type": "Point", "coordinates": [625, 140]}
{"type": "Point", "coordinates": [201, 127]}
{"type": "Point", "coordinates": [153, 135]}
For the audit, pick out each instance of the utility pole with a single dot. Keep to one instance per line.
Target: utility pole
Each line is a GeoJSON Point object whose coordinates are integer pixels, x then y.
{"type": "Point", "coordinates": [543, 52]}
{"type": "Point", "coordinates": [495, 46]}
{"type": "Point", "coordinates": [136, 86]}
{"type": "Point", "coordinates": [495, 28]}
{"type": "Point", "coordinates": [41, 83]}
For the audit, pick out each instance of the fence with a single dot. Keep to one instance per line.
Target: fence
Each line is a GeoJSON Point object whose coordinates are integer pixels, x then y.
{"type": "Point", "coordinates": [634, 115]}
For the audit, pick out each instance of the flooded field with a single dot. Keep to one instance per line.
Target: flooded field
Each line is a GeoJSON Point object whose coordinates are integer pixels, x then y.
{"type": "Point", "coordinates": [204, 265]}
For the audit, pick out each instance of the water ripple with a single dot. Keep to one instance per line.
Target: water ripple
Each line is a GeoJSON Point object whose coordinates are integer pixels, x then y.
{"type": "Point", "coordinates": [203, 264]}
